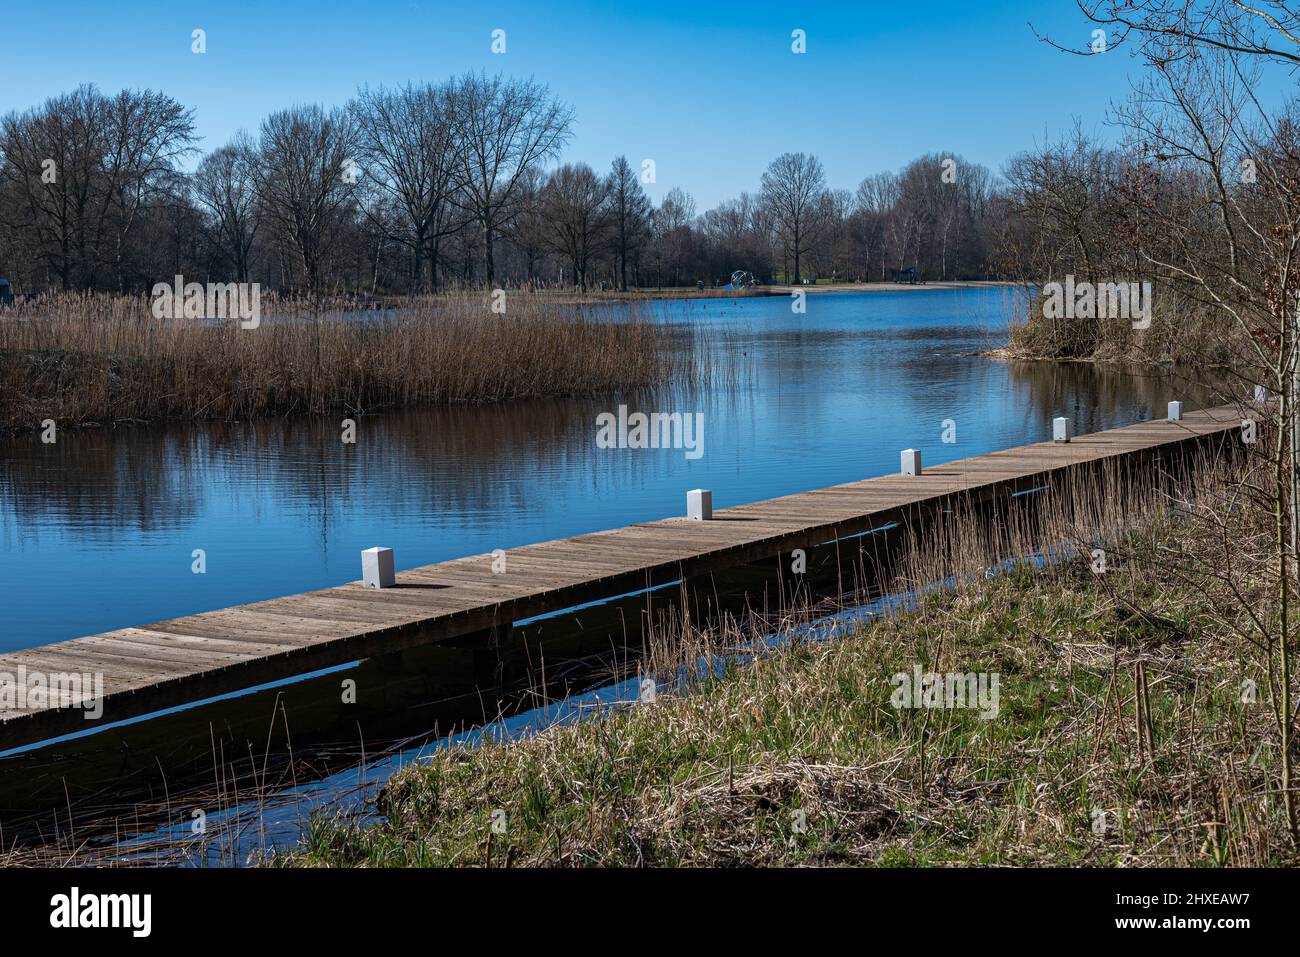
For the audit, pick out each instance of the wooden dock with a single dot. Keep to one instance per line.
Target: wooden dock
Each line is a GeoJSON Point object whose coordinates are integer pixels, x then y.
{"type": "Point", "coordinates": [176, 662]}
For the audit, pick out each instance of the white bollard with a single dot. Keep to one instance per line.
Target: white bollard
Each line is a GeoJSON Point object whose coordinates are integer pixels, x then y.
{"type": "Point", "coordinates": [377, 568]}
{"type": "Point", "coordinates": [911, 462]}
{"type": "Point", "coordinates": [1060, 429]}
{"type": "Point", "coordinates": [699, 504]}
{"type": "Point", "coordinates": [1175, 411]}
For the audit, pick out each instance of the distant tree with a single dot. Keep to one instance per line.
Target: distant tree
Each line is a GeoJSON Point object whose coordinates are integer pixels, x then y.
{"type": "Point", "coordinates": [676, 211]}
{"type": "Point", "coordinates": [830, 234]}
{"type": "Point", "coordinates": [575, 205]}
{"type": "Point", "coordinates": [81, 169]}
{"type": "Point", "coordinates": [305, 179]}
{"type": "Point", "coordinates": [409, 150]}
{"type": "Point", "coordinates": [1062, 191]}
{"type": "Point", "coordinates": [674, 244]}
{"type": "Point", "coordinates": [148, 134]}
{"type": "Point", "coordinates": [630, 210]}
{"type": "Point", "coordinates": [527, 230]}
{"type": "Point", "coordinates": [225, 185]}
{"type": "Point", "coordinates": [507, 127]}
{"type": "Point", "coordinates": [792, 186]}
{"type": "Point", "coordinates": [449, 188]}
{"type": "Point", "coordinates": [872, 204]}
{"type": "Point", "coordinates": [913, 229]}
{"type": "Point", "coordinates": [941, 200]}
{"type": "Point", "coordinates": [977, 187]}
{"type": "Point", "coordinates": [736, 238]}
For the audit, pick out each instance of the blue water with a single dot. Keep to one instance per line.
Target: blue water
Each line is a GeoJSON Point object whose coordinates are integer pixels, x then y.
{"type": "Point", "coordinates": [98, 530]}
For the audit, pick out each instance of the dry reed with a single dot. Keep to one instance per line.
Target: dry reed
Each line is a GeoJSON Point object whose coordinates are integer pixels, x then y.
{"type": "Point", "coordinates": [81, 359]}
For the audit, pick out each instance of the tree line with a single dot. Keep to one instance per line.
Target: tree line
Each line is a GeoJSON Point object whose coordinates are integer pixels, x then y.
{"type": "Point", "coordinates": [418, 188]}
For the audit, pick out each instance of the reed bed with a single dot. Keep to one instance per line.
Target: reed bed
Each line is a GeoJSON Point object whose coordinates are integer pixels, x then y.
{"type": "Point", "coordinates": [1183, 333]}
{"type": "Point", "coordinates": [100, 359]}
{"type": "Point", "coordinates": [1121, 739]}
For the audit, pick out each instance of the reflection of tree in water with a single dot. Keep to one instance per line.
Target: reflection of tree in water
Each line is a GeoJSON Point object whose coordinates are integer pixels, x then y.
{"type": "Point", "coordinates": [449, 461]}
{"type": "Point", "coordinates": [510, 458]}
{"type": "Point", "coordinates": [444, 461]}
{"type": "Point", "coordinates": [1097, 397]}
{"type": "Point", "coordinates": [99, 481]}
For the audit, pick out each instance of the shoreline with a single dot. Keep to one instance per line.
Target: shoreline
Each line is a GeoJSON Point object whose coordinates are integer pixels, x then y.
{"type": "Point", "coordinates": [1006, 354]}
{"type": "Point", "coordinates": [55, 378]}
{"type": "Point", "coordinates": [73, 361]}
{"type": "Point", "coordinates": [759, 292]}
{"type": "Point", "coordinates": [714, 773]}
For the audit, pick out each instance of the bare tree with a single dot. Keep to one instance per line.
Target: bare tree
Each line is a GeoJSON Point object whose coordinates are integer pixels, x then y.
{"type": "Point", "coordinates": [830, 234]}
{"type": "Point", "coordinates": [792, 185]}
{"type": "Point", "coordinates": [876, 198]}
{"type": "Point", "coordinates": [1224, 201]}
{"type": "Point", "coordinates": [671, 229]}
{"type": "Point", "coordinates": [225, 184]}
{"type": "Point", "coordinates": [82, 166]}
{"type": "Point", "coordinates": [903, 223]}
{"type": "Point", "coordinates": [527, 231]}
{"type": "Point", "coordinates": [575, 205]}
{"type": "Point", "coordinates": [118, 211]}
{"type": "Point", "coordinates": [148, 133]}
{"type": "Point", "coordinates": [737, 237]}
{"type": "Point", "coordinates": [410, 146]}
{"type": "Point", "coordinates": [305, 180]}
{"type": "Point", "coordinates": [507, 126]}
{"type": "Point", "coordinates": [630, 211]}
{"type": "Point", "coordinates": [941, 202]}
{"type": "Point", "coordinates": [1169, 30]}
{"type": "Point", "coordinates": [52, 155]}
{"type": "Point", "coordinates": [1065, 187]}
{"type": "Point", "coordinates": [1216, 202]}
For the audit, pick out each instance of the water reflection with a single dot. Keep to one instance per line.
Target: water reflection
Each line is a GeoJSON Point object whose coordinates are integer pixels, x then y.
{"type": "Point", "coordinates": [97, 530]}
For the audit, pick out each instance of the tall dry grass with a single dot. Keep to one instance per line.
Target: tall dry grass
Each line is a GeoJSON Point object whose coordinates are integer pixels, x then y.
{"type": "Point", "coordinates": [98, 358]}
{"type": "Point", "coordinates": [1183, 333]}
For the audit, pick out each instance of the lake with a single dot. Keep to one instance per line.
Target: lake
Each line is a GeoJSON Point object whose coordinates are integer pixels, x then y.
{"type": "Point", "coordinates": [98, 531]}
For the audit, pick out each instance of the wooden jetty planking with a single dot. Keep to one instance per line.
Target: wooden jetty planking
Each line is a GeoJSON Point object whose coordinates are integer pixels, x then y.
{"type": "Point", "coordinates": [186, 659]}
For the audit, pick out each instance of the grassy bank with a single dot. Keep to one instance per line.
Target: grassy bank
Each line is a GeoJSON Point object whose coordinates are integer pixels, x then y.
{"type": "Point", "coordinates": [105, 359]}
{"type": "Point", "coordinates": [1121, 735]}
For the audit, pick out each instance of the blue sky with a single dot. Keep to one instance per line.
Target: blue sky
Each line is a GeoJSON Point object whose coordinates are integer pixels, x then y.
{"type": "Point", "coordinates": [711, 91]}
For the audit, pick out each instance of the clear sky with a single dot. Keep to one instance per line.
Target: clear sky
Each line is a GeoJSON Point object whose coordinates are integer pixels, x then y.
{"type": "Point", "coordinates": [710, 90]}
